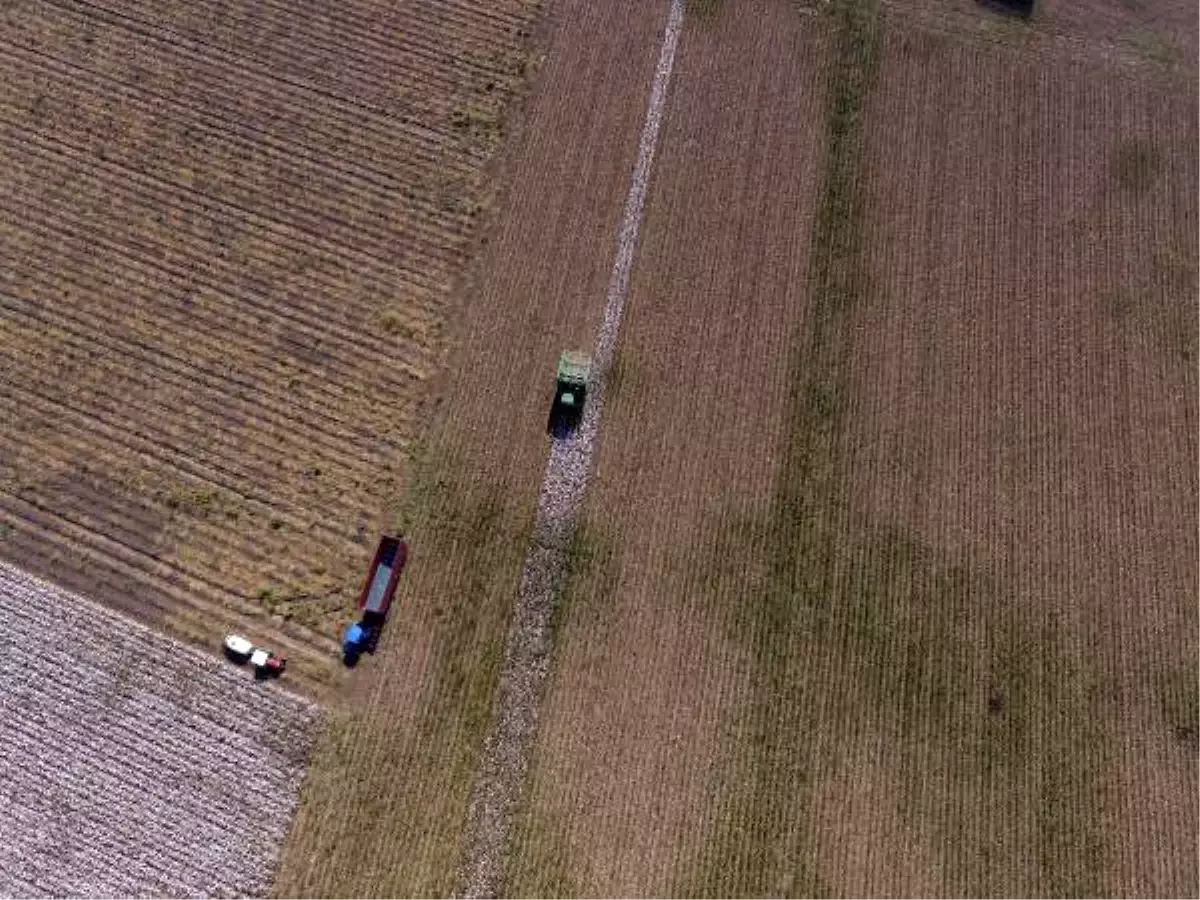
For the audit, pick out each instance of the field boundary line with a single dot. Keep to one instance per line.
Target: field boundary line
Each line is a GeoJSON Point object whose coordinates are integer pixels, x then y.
{"type": "Point", "coordinates": [502, 768]}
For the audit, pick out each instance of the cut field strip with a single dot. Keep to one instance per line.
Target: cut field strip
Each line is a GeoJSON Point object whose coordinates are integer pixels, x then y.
{"type": "Point", "coordinates": [527, 653]}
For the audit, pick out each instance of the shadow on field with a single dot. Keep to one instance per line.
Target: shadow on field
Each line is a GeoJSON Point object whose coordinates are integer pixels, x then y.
{"type": "Point", "coordinates": [1016, 9]}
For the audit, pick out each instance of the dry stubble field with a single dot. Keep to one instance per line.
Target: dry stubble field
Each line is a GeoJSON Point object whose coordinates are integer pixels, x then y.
{"type": "Point", "coordinates": [231, 235]}
{"type": "Point", "coordinates": [888, 580]}
{"type": "Point", "coordinates": [384, 808]}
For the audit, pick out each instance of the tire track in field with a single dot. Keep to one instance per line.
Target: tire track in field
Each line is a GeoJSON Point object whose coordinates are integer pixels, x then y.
{"type": "Point", "coordinates": [527, 653]}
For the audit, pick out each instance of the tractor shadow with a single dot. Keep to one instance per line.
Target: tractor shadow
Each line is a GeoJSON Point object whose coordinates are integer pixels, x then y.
{"type": "Point", "coordinates": [1013, 9]}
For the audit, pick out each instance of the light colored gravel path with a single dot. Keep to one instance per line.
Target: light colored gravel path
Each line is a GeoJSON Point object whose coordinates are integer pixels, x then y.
{"type": "Point", "coordinates": [527, 655]}
{"type": "Point", "coordinates": [131, 764]}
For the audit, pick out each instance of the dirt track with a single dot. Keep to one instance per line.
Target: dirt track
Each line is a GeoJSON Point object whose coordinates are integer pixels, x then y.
{"type": "Point", "coordinates": [638, 728]}
{"type": "Point", "coordinates": [500, 782]}
{"type": "Point", "coordinates": [924, 660]}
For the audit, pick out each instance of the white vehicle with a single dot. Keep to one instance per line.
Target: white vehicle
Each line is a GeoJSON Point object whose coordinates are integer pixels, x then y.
{"type": "Point", "coordinates": [265, 663]}
{"type": "Point", "coordinates": [238, 648]}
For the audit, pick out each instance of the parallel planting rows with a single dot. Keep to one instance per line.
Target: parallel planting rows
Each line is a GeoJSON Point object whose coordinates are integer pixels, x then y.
{"type": "Point", "coordinates": [385, 808]}
{"type": "Point", "coordinates": [230, 239]}
{"type": "Point", "coordinates": [133, 765]}
{"type": "Point", "coordinates": [888, 580]}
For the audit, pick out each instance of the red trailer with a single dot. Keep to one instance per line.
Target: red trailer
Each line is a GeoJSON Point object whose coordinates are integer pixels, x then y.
{"type": "Point", "coordinates": [375, 598]}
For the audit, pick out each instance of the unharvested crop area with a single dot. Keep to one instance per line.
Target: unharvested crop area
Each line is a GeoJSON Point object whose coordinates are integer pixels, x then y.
{"type": "Point", "coordinates": [230, 238]}
{"type": "Point", "coordinates": [133, 765]}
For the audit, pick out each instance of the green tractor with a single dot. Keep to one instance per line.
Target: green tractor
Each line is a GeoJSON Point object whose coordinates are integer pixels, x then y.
{"type": "Point", "coordinates": [569, 394]}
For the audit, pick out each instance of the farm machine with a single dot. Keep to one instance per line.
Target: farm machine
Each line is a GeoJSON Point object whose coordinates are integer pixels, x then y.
{"type": "Point", "coordinates": [266, 664]}
{"type": "Point", "coordinates": [375, 599]}
{"type": "Point", "coordinates": [569, 394]}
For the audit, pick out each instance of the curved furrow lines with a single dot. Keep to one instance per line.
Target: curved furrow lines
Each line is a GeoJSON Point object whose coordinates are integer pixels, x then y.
{"type": "Point", "coordinates": [279, 185]}
{"type": "Point", "coordinates": [348, 150]}
{"type": "Point", "coordinates": [115, 403]}
{"type": "Point", "coordinates": [175, 589]}
{"type": "Point", "coordinates": [422, 48]}
{"type": "Point", "coordinates": [326, 80]}
{"type": "Point", "coordinates": [82, 437]}
{"type": "Point", "coordinates": [226, 85]}
{"type": "Point", "coordinates": [174, 582]}
{"type": "Point", "coordinates": [244, 310]}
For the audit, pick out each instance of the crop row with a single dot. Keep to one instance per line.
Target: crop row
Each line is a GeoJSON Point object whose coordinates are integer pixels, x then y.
{"type": "Point", "coordinates": [132, 764]}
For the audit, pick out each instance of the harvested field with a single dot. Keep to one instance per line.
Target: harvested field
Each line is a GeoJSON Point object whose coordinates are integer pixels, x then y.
{"type": "Point", "coordinates": [504, 762]}
{"type": "Point", "coordinates": [133, 765]}
{"type": "Point", "coordinates": [917, 614]}
{"type": "Point", "coordinates": [1026, 401]}
{"type": "Point", "coordinates": [1160, 35]}
{"type": "Point", "coordinates": [230, 240]}
{"type": "Point", "coordinates": [648, 679]}
{"type": "Point", "coordinates": [641, 724]}
{"type": "Point", "coordinates": [406, 747]}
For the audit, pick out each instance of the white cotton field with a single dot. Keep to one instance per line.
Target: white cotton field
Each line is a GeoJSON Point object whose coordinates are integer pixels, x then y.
{"type": "Point", "coordinates": [132, 765]}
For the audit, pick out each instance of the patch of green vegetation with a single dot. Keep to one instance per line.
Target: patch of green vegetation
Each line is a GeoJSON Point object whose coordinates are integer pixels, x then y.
{"type": "Point", "coordinates": [848, 622]}
{"type": "Point", "coordinates": [625, 382]}
{"type": "Point", "coordinates": [703, 10]}
{"type": "Point", "coordinates": [193, 498]}
{"type": "Point", "coordinates": [449, 512]}
{"type": "Point", "coordinates": [591, 577]}
{"type": "Point", "coordinates": [1151, 46]}
{"type": "Point", "coordinates": [1121, 304]}
{"type": "Point", "coordinates": [481, 119]}
{"type": "Point", "coordinates": [470, 615]}
{"type": "Point", "coordinates": [758, 848]}
{"type": "Point", "coordinates": [1069, 804]}
{"type": "Point", "coordinates": [1136, 164]}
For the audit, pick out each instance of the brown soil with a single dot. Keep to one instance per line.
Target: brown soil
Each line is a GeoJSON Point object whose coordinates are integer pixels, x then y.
{"type": "Point", "coordinates": [866, 826]}
{"type": "Point", "coordinates": [385, 805]}
{"type": "Point", "coordinates": [1157, 35]}
{"type": "Point", "coordinates": [979, 677]}
{"type": "Point", "coordinates": [229, 245]}
{"type": "Point", "coordinates": [1026, 398]}
{"type": "Point", "coordinates": [635, 744]}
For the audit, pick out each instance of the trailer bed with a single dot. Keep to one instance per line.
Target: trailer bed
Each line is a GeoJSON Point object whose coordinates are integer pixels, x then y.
{"type": "Point", "coordinates": [380, 586]}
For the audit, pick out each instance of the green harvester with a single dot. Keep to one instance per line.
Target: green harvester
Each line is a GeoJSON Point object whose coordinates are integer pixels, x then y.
{"type": "Point", "coordinates": [569, 393]}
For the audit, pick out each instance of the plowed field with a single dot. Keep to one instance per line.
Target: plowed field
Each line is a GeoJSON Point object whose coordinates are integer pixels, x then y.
{"type": "Point", "coordinates": [888, 579]}
{"type": "Point", "coordinates": [230, 240]}
{"type": "Point", "coordinates": [1144, 34]}
{"type": "Point", "coordinates": [384, 809]}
